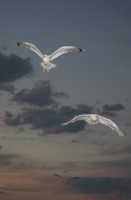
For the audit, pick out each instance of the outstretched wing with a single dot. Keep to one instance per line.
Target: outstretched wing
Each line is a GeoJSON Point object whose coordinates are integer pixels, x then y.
{"type": "Point", "coordinates": [74, 178]}
{"type": "Point", "coordinates": [63, 50]}
{"type": "Point", "coordinates": [111, 124]}
{"type": "Point", "coordinates": [60, 177]}
{"type": "Point", "coordinates": [93, 119]}
{"type": "Point", "coordinates": [85, 117]}
{"type": "Point", "coordinates": [30, 46]}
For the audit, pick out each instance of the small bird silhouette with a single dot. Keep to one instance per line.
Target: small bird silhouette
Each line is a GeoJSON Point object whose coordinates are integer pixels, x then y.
{"type": "Point", "coordinates": [68, 180]}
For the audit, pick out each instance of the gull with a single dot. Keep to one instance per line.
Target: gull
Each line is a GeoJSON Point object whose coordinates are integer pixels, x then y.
{"type": "Point", "coordinates": [93, 119]}
{"type": "Point", "coordinates": [46, 59]}
{"type": "Point", "coordinates": [66, 181]}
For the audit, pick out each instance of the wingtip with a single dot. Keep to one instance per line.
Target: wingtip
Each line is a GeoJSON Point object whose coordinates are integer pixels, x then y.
{"type": "Point", "coordinates": [123, 134]}
{"type": "Point", "coordinates": [62, 124]}
{"type": "Point", "coordinates": [81, 50]}
{"type": "Point", "coordinates": [18, 43]}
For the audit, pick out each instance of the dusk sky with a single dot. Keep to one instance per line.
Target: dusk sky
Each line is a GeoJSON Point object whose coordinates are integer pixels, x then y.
{"type": "Point", "coordinates": [33, 144]}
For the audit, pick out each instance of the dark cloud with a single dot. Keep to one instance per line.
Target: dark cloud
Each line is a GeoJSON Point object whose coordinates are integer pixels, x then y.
{"type": "Point", "coordinates": [2, 192]}
{"type": "Point", "coordinates": [11, 120]}
{"type": "Point", "coordinates": [108, 110]}
{"type": "Point", "coordinates": [8, 114]}
{"type": "Point", "coordinates": [6, 159]}
{"type": "Point", "coordinates": [60, 94]}
{"type": "Point", "coordinates": [20, 130]}
{"type": "Point", "coordinates": [12, 67]}
{"type": "Point", "coordinates": [7, 87]}
{"type": "Point", "coordinates": [49, 119]}
{"type": "Point", "coordinates": [108, 113]}
{"type": "Point", "coordinates": [117, 149]}
{"type": "Point", "coordinates": [112, 166]}
{"type": "Point", "coordinates": [117, 165]}
{"type": "Point", "coordinates": [115, 107]}
{"type": "Point", "coordinates": [102, 185]}
{"type": "Point", "coordinates": [41, 95]}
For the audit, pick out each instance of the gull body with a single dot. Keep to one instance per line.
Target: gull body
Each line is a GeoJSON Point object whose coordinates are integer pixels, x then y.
{"type": "Point", "coordinates": [46, 59]}
{"type": "Point", "coordinates": [66, 181]}
{"type": "Point", "coordinates": [93, 119]}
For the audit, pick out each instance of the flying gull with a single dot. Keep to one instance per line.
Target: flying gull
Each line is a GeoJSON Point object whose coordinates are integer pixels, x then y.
{"type": "Point", "coordinates": [46, 59]}
{"type": "Point", "coordinates": [93, 119]}
{"type": "Point", "coordinates": [66, 181]}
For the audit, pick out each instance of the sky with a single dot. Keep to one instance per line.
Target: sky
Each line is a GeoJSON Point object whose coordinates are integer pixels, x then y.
{"type": "Point", "coordinates": [33, 144]}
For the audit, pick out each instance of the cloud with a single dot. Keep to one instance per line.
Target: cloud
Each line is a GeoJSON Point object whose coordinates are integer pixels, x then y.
{"type": "Point", "coordinates": [108, 110]}
{"type": "Point", "coordinates": [115, 107]}
{"type": "Point", "coordinates": [6, 159]}
{"type": "Point", "coordinates": [46, 114]}
{"type": "Point", "coordinates": [11, 120]}
{"type": "Point", "coordinates": [41, 95]}
{"type": "Point", "coordinates": [12, 67]}
{"type": "Point", "coordinates": [49, 119]}
{"type": "Point", "coordinates": [117, 149]}
{"type": "Point", "coordinates": [102, 185]}
{"type": "Point", "coordinates": [20, 130]}
{"type": "Point", "coordinates": [114, 167]}
{"type": "Point", "coordinates": [49, 116]}
{"type": "Point", "coordinates": [108, 113]}
{"type": "Point", "coordinates": [122, 165]}
{"type": "Point", "coordinates": [7, 87]}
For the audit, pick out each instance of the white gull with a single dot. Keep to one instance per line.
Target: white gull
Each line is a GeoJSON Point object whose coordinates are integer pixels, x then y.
{"type": "Point", "coordinates": [46, 59]}
{"type": "Point", "coordinates": [93, 119]}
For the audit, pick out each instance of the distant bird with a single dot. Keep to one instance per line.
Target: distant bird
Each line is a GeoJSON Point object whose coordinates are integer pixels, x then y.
{"type": "Point", "coordinates": [93, 119]}
{"type": "Point", "coordinates": [66, 181]}
{"type": "Point", "coordinates": [46, 59]}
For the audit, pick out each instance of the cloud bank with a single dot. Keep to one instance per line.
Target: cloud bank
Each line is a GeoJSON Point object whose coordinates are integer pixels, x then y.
{"type": "Point", "coordinates": [44, 112]}
{"type": "Point", "coordinates": [103, 185]}
{"type": "Point", "coordinates": [41, 95]}
{"type": "Point", "coordinates": [12, 68]}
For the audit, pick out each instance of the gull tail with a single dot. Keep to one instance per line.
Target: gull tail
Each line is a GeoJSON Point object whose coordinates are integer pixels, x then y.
{"type": "Point", "coordinates": [47, 67]}
{"type": "Point", "coordinates": [52, 65]}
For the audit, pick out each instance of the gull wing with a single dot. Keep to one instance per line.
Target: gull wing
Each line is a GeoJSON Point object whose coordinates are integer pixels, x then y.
{"type": "Point", "coordinates": [60, 177]}
{"type": "Point", "coordinates": [111, 124]}
{"type": "Point", "coordinates": [70, 179]}
{"type": "Point", "coordinates": [85, 117]}
{"type": "Point", "coordinates": [30, 46]}
{"type": "Point", "coordinates": [63, 50]}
